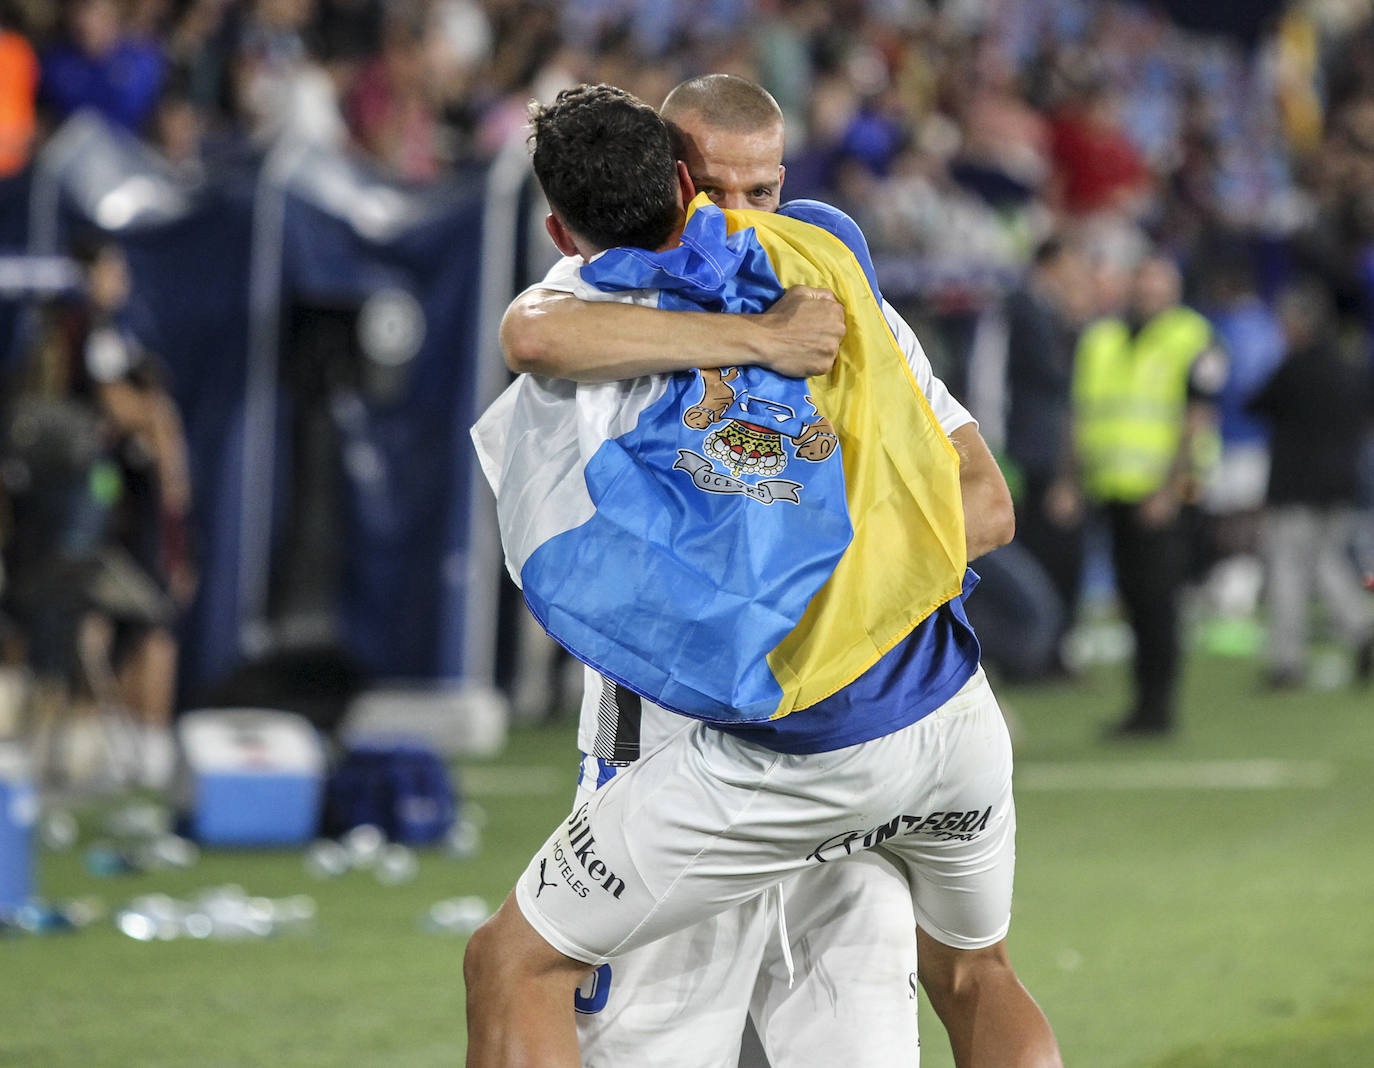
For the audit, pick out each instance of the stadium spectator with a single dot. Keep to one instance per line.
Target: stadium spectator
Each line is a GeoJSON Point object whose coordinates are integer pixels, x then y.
{"type": "Point", "coordinates": [1319, 404]}
{"type": "Point", "coordinates": [98, 64]}
{"type": "Point", "coordinates": [199, 45]}
{"type": "Point", "coordinates": [280, 88]}
{"type": "Point", "coordinates": [1096, 166]}
{"type": "Point", "coordinates": [1005, 150]}
{"type": "Point", "coordinates": [393, 109]}
{"type": "Point", "coordinates": [18, 90]}
{"type": "Point", "coordinates": [349, 32]}
{"type": "Point", "coordinates": [1044, 316]}
{"type": "Point", "coordinates": [100, 494]}
{"type": "Point", "coordinates": [177, 131]}
{"type": "Point", "coordinates": [1227, 553]}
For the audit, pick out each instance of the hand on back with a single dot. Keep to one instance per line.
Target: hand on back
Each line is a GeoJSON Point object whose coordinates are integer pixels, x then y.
{"type": "Point", "coordinates": [806, 327]}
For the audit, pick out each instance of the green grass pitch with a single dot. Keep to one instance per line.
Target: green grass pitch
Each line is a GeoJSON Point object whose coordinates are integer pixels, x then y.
{"type": "Point", "coordinates": [1202, 902]}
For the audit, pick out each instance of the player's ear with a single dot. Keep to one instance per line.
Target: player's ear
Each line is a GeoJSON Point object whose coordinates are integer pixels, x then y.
{"type": "Point", "coordinates": [685, 184]}
{"type": "Point", "coordinates": [561, 235]}
{"type": "Point", "coordinates": [782, 177]}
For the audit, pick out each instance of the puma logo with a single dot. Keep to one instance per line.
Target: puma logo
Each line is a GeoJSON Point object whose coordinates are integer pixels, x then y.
{"type": "Point", "coordinates": [542, 881]}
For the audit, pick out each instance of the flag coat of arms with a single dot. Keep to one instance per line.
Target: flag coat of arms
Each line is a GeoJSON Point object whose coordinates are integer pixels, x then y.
{"type": "Point", "coordinates": [731, 544]}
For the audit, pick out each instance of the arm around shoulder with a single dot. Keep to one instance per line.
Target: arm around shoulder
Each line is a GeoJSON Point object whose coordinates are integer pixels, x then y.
{"type": "Point", "coordinates": [553, 333]}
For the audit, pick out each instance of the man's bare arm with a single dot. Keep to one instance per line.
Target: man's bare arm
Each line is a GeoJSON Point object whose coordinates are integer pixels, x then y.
{"type": "Point", "coordinates": [555, 334]}
{"type": "Point", "coordinates": [989, 521]}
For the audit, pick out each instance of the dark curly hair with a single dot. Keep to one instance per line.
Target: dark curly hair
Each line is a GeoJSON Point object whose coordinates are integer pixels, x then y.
{"type": "Point", "coordinates": [606, 163]}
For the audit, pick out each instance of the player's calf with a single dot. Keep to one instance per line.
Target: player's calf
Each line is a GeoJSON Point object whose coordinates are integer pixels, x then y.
{"type": "Point", "coordinates": [991, 1019]}
{"type": "Point", "coordinates": [519, 996]}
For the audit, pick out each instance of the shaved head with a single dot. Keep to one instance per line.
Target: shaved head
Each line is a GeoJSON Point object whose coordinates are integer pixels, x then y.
{"type": "Point", "coordinates": [729, 132]}
{"type": "Point", "coordinates": [725, 101]}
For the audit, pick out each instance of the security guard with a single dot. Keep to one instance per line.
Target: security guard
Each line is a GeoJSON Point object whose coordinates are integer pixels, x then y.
{"type": "Point", "coordinates": [1144, 393]}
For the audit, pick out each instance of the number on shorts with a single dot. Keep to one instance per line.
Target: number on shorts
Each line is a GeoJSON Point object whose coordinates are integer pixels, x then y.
{"type": "Point", "coordinates": [592, 994]}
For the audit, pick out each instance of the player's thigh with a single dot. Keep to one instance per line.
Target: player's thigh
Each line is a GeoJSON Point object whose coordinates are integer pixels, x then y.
{"type": "Point", "coordinates": [700, 825]}
{"type": "Point", "coordinates": [852, 937]}
{"type": "Point", "coordinates": [679, 1002]}
{"type": "Point", "coordinates": [961, 858]}
{"type": "Point", "coordinates": [669, 841]}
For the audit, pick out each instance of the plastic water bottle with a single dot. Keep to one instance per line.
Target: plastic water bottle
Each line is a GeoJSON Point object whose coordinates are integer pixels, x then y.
{"type": "Point", "coordinates": [225, 913]}
{"type": "Point", "coordinates": [57, 830]}
{"type": "Point", "coordinates": [139, 819]}
{"type": "Point", "coordinates": [364, 845]}
{"type": "Point", "coordinates": [396, 864]}
{"type": "Point", "coordinates": [464, 840]}
{"type": "Point", "coordinates": [166, 851]}
{"type": "Point", "coordinates": [456, 915]}
{"type": "Point", "coordinates": [327, 859]}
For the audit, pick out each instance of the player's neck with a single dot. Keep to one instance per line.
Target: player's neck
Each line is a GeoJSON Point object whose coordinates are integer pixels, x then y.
{"type": "Point", "coordinates": [589, 251]}
{"type": "Point", "coordinates": [675, 238]}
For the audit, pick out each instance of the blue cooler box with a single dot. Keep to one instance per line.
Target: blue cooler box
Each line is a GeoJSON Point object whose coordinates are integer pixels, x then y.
{"type": "Point", "coordinates": [18, 813]}
{"type": "Point", "coordinates": [251, 777]}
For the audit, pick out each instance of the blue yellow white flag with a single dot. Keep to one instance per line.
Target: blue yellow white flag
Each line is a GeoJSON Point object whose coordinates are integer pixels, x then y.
{"type": "Point", "coordinates": [731, 544]}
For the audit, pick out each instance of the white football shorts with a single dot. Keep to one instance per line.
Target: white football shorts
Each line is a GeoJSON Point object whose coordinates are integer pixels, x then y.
{"type": "Point", "coordinates": [844, 993]}
{"type": "Point", "coordinates": [825, 965]}
{"type": "Point", "coordinates": [705, 821]}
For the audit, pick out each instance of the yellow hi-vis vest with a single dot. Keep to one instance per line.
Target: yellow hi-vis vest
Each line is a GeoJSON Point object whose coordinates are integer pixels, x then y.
{"type": "Point", "coordinates": [1130, 399]}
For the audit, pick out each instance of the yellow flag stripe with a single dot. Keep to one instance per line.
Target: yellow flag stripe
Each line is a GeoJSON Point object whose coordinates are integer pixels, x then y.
{"type": "Point", "coordinates": [908, 555]}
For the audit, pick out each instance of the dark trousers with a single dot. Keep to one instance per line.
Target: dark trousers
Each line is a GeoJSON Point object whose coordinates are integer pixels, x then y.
{"type": "Point", "coordinates": [1059, 549]}
{"type": "Point", "coordinates": [1150, 564]}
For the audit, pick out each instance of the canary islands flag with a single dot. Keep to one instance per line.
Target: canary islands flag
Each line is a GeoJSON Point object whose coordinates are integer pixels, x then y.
{"type": "Point", "coordinates": [731, 544]}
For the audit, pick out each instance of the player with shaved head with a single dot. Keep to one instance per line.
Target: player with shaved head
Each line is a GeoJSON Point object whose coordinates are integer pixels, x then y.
{"type": "Point", "coordinates": [730, 135]}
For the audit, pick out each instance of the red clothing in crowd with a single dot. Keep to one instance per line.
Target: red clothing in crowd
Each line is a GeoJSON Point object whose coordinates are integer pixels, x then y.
{"type": "Point", "coordinates": [18, 87]}
{"type": "Point", "coordinates": [1097, 165]}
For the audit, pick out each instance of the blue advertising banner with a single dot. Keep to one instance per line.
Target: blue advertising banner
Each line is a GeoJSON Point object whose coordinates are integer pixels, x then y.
{"type": "Point", "coordinates": [239, 283]}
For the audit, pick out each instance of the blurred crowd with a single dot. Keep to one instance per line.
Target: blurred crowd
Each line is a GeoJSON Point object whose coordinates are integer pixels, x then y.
{"type": "Point", "coordinates": [977, 122]}
{"type": "Point", "coordinates": [959, 133]}
{"type": "Point", "coordinates": [962, 131]}
{"type": "Point", "coordinates": [1024, 107]}
{"type": "Point", "coordinates": [1012, 162]}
